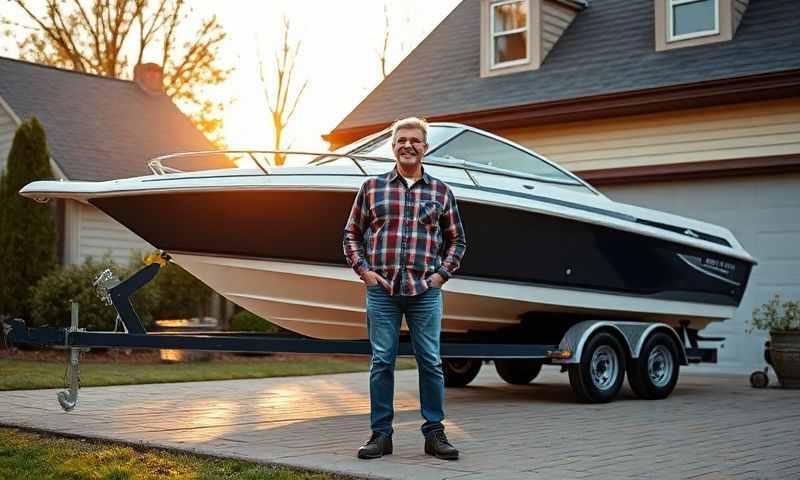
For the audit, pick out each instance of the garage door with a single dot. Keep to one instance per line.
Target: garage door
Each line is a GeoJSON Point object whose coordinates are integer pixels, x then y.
{"type": "Point", "coordinates": [763, 212]}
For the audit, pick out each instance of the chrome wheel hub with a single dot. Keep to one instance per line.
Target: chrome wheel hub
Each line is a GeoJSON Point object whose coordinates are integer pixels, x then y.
{"type": "Point", "coordinates": [660, 366]}
{"type": "Point", "coordinates": [604, 367]}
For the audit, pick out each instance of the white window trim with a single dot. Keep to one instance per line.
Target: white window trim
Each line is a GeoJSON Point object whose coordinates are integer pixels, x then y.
{"type": "Point", "coordinates": [687, 36]}
{"type": "Point", "coordinates": [493, 35]}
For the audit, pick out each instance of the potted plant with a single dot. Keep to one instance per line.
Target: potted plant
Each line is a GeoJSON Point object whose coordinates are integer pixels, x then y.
{"type": "Point", "coordinates": [782, 320]}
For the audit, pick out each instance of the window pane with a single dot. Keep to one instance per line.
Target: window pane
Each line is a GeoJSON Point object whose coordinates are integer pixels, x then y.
{"type": "Point", "coordinates": [510, 16]}
{"type": "Point", "coordinates": [481, 149]}
{"type": "Point", "coordinates": [508, 48]}
{"type": "Point", "coordinates": [693, 17]}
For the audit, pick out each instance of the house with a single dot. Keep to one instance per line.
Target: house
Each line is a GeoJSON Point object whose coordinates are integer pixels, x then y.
{"type": "Point", "coordinates": [686, 106]}
{"type": "Point", "coordinates": [97, 128]}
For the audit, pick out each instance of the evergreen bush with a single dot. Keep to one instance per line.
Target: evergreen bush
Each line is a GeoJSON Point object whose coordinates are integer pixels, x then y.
{"type": "Point", "coordinates": [27, 228]}
{"type": "Point", "coordinates": [51, 297]}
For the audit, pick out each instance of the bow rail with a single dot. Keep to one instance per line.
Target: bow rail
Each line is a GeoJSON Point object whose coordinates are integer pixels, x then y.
{"type": "Point", "coordinates": [261, 159]}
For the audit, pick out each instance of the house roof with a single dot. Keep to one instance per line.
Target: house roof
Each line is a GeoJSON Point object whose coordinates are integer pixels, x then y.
{"type": "Point", "coordinates": [97, 128]}
{"type": "Point", "coordinates": [608, 49]}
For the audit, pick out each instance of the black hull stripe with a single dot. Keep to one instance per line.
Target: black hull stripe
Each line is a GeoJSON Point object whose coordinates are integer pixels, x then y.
{"type": "Point", "coordinates": [553, 201]}
{"type": "Point", "coordinates": [503, 244]}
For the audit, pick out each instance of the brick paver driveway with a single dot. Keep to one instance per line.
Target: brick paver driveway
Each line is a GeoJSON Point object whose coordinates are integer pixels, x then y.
{"type": "Point", "coordinates": [710, 428]}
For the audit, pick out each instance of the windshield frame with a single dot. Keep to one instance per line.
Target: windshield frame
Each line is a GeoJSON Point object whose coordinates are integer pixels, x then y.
{"type": "Point", "coordinates": [458, 129]}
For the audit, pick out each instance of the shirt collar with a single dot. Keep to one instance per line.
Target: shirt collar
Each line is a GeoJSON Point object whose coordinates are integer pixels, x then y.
{"type": "Point", "coordinates": [394, 174]}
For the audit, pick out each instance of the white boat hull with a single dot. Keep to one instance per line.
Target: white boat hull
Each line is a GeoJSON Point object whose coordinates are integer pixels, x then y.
{"type": "Point", "coordinates": [327, 302]}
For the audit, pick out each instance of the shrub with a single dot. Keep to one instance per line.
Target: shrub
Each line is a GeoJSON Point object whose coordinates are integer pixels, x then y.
{"type": "Point", "coordinates": [52, 295]}
{"type": "Point", "coordinates": [27, 228]}
{"type": "Point", "coordinates": [245, 321]}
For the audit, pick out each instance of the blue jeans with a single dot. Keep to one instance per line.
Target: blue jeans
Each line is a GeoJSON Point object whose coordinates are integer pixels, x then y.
{"type": "Point", "coordinates": [424, 318]}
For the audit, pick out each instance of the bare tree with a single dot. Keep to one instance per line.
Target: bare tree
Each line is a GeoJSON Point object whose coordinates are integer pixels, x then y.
{"type": "Point", "coordinates": [103, 37]}
{"type": "Point", "coordinates": [280, 106]}
{"type": "Point", "coordinates": [385, 49]}
{"type": "Point", "coordinates": [389, 38]}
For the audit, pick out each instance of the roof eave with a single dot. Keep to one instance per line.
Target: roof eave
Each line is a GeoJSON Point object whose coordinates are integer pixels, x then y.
{"type": "Point", "coordinates": [764, 86]}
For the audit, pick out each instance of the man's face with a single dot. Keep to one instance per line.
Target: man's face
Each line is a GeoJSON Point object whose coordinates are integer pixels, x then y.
{"type": "Point", "coordinates": [409, 146]}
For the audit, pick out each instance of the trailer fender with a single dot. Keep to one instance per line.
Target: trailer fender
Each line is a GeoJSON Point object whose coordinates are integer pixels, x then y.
{"type": "Point", "coordinates": [632, 334]}
{"type": "Point", "coordinates": [661, 327]}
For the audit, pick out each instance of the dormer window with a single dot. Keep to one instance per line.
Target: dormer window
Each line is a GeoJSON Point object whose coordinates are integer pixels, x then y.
{"type": "Point", "coordinates": [517, 35]}
{"type": "Point", "coordinates": [509, 32]}
{"type": "Point", "coordinates": [689, 23]}
{"type": "Point", "coordinates": [692, 19]}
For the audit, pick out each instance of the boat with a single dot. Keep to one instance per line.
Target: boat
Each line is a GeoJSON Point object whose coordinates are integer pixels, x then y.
{"type": "Point", "coordinates": [541, 242]}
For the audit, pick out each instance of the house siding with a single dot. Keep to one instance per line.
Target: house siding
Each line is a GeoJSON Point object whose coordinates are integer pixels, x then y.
{"type": "Point", "coordinates": [555, 19]}
{"type": "Point", "coordinates": [91, 233]}
{"type": "Point", "coordinates": [745, 130]}
{"type": "Point", "coordinates": [8, 126]}
{"type": "Point", "coordinates": [739, 7]}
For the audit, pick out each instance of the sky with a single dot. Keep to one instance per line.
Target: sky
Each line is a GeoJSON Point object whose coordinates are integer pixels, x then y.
{"type": "Point", "coordinates": [339, 55]}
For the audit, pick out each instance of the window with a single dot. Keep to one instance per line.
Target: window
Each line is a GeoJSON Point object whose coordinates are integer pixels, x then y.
{"type": "Point", "coordinates": [476, 148]}
{"type": "Point", "coordinates": [692, 18]}
{"type": "Point", "coordinates": [509, 33]}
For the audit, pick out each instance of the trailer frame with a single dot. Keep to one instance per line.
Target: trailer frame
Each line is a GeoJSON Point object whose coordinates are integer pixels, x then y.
{"type": "Point", "coordinates": [475, 348]}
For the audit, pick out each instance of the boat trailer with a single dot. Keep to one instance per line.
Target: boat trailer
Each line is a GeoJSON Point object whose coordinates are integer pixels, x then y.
{"type": "Point", "coordinates": [75, 340]}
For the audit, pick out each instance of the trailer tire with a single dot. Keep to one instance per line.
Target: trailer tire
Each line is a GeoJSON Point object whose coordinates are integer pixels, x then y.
{"type": "Point", "coordinates": [654, 374]}
{"type": "Point", "coordinates": [518, 371]}
{"type": "Point", "coordinates": [599, 375]}
{"type": "Point", "coordinates": [458, 372]}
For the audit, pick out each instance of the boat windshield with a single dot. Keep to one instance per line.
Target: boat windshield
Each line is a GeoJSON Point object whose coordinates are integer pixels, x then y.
{"type": "Point", "coordinates": [469, 148]}
{"type": "Point", "coordinates": [483, 150]}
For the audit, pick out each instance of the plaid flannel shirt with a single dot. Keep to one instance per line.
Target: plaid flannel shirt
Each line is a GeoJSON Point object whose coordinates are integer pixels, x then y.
{"type": "Point", "coordinates": [404, 234]}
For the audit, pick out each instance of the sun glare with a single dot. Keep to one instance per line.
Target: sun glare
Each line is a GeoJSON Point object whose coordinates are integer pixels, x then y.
{"type": "Point", "coordinates": [339, 55]}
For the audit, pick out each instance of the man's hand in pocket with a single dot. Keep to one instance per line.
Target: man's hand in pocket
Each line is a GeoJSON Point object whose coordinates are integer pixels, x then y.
{"type": "Point", "coordinates": [372, 278]}
{"type": "Point", "coordinates": [435, 281]}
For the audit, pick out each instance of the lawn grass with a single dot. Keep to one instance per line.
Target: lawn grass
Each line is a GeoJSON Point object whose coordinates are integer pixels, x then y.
{"type": "Point", "coordinates": [26, 374]}
{"type": "Point", "coordinates": [33, 456]}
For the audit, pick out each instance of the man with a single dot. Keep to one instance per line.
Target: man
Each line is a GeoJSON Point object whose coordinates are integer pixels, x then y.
{"type": "Point", "coordinates": [399, 224]}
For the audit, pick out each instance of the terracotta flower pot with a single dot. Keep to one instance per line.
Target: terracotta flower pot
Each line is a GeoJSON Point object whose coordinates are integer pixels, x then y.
{"type": "Point", "coordinates": [785, 348]}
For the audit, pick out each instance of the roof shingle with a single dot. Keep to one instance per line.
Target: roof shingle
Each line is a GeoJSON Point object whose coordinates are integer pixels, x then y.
{"type": "Point", "coordinates": [97, 128]}
{"type": "Point", "coordinates": [609, 48]}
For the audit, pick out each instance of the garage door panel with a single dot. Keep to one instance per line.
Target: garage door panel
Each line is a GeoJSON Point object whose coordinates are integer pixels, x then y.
{"type": "Point", "coordinates": [782, 192]}
{"type": "Point", "coordinates": [778, 273]}
{"type": "Point", "coordinates": [763, 212]}
{"type": "Point", "coordinates": [779, 245]}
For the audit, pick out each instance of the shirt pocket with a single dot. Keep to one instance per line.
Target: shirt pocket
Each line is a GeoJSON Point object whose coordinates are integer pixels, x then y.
{"type": "Point", "coordinates": [380, 211]}
{"type": "Point", "coordinates": [429, 213]}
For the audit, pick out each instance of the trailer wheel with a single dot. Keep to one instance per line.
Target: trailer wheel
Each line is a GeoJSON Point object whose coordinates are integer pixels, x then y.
{"type": "Point", "coordinates": [598, 377]}
{"type": "Point", "coordinates": [654, 374]}
{"type": "Point", "coordinates": [458, 372]}
{"type": "Point", "coordinates": [518, 371]}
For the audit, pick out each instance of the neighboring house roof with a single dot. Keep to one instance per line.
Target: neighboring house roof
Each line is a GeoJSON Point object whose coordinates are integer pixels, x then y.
{"type": "Point", "coordinates": [97, 128]}
{"type": "Point", "coordinates": [609, 48]}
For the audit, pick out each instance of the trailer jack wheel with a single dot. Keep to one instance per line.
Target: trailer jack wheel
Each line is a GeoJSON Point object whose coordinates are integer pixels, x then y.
{"type": "Point", "coordinates": [759, 378]}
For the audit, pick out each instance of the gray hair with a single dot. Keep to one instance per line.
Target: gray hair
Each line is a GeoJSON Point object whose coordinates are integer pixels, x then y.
{"type": "Point", "coordinates": [410, 122]}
